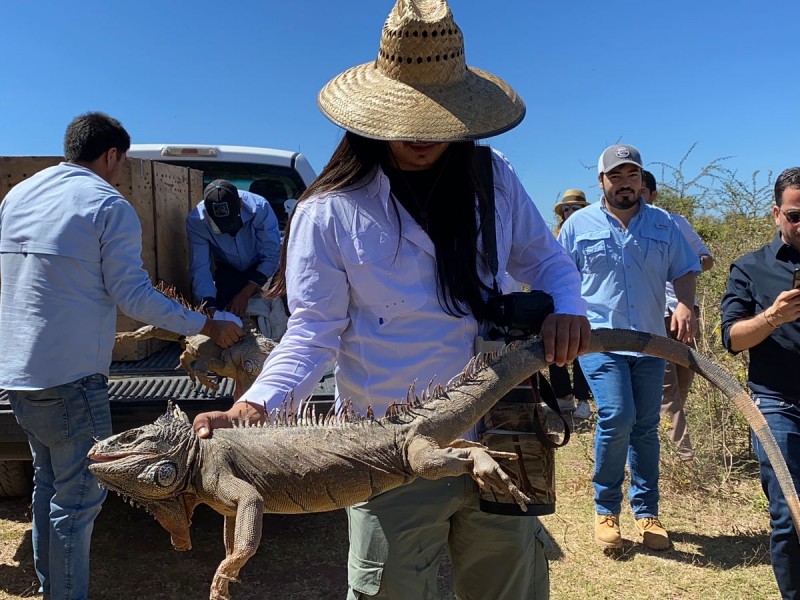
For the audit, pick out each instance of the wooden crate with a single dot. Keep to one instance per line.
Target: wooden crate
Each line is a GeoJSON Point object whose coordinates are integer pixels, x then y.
{"type": "Point", "coordinates": [162, 196]}
{"type": "Point", "coordinates": [172, 204]}
{"type": "Point", "coordinates": [136, 185]}
{"type": "Point", "coordinates": [14, 169]}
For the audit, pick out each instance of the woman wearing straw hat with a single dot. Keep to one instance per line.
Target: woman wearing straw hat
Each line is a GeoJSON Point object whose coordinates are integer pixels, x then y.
{"type": "Point", "coordinates": [571, 201]}
{"type": "Point", "coordinates": [567, 392]}
{"type": "Point", "coordinates": [385, 273]}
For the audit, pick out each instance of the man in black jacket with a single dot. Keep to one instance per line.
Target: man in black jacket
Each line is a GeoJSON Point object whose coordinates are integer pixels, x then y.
{"type": "Point", "coordinates": [760, 312]}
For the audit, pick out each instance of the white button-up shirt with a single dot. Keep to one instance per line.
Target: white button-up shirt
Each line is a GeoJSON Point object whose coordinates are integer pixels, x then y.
{"type": "Point", "coordinates": [363, 292]}
{"type": "Point", "coordinates": [698, 247]}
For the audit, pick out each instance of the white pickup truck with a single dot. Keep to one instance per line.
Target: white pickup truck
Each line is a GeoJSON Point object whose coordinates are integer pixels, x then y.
{"type": "Point", "coordinates": [139, 390]}
{"type": "Point", "coordinates": [279, 176]}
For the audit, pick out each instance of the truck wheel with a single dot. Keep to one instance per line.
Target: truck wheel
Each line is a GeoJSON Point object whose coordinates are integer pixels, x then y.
{"type": "Point", "coordinates": [16, 478]}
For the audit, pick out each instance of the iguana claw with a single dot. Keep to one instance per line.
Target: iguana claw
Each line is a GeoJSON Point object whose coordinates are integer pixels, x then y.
{"type": "Point", "coordinates": [219, 586]}
{"type": "Point", "coordinates": [487, 473]}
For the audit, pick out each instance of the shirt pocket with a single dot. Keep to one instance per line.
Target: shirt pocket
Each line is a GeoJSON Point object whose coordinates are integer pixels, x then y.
{"type": "Point", "coordinates": [383, 272]}
{"type": "Point", "coordinates": [594, 251]}
{"type": "Point", "coordinates": [656, 258]}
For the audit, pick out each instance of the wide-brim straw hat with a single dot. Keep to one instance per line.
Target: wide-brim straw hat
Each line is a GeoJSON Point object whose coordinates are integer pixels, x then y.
{"type": "Point", "coordinates": [571, 197]}
{"type": "Point", "coordinates": [420, 87]}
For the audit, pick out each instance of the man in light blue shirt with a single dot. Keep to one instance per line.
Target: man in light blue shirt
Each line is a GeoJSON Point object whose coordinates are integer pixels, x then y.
{"type": "Point", "coordinates": [70, 253]}
{"type": "Point", "coordinates": [238, 231]}
{"type": "Point", "coordinates": [626, 251]}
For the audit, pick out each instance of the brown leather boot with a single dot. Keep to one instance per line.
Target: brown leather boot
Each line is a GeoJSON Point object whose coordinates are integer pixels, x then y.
{"type": "Point", "coordinates": [606, 531]}
{"type": "Point", "coordinates": [654, 536]}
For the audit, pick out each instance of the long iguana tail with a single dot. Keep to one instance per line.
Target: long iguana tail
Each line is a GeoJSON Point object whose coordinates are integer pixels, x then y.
{"type": "Point", "coordinates": [609, 340]}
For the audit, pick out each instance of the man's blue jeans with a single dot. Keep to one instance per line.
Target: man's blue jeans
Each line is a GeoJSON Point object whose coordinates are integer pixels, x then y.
{"type": "Point", "coordinates": [784, 421]}
{"type": "Point", "coordinates": [62, 423]}
{"type": "Point", "coordinates": [627, 390]}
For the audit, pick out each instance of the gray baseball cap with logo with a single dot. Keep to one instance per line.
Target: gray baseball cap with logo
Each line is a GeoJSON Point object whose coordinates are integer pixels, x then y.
{"type": "Point", "coordinates": [616, 155]}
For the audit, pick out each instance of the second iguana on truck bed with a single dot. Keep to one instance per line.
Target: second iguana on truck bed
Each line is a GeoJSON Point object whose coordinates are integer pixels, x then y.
{"type": "Point", "coordinates": [297, 468]}
{"type": "Point", "coordinates": [241, 362]}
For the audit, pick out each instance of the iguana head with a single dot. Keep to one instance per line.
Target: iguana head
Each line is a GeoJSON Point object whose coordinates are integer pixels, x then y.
{"type": "Point", "coordinates": [150, 465]}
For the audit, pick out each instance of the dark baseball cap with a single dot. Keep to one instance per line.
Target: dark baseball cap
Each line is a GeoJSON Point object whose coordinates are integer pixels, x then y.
{"type": "Point", "coordinates": [616, 155]}
{"type": "Point", "coordinates": [223, 206]}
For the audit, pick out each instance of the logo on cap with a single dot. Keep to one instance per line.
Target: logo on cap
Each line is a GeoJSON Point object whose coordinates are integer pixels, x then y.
{"type": "Point", "coordinates": [220, 210]}
{"type": "Point", "coordinates": [622, 152]}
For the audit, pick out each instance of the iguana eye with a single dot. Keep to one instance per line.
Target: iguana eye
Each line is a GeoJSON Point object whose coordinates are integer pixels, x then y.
{"type": "Point", "coordinates": [249, 366]}
{"type": "Point", "coordinates": [129, 437]}
{"type": "Point", "coordinates": [162, 474]}
{"type": "Point", "coordinates": [166, 474]}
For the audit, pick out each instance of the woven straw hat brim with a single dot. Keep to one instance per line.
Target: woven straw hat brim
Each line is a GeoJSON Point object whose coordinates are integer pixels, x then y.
{"type": "Point", "coordinates": [367, 102]}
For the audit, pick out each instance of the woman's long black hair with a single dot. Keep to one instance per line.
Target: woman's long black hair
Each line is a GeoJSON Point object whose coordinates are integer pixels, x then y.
{"type": "Point", "coordinates": [453, 224]}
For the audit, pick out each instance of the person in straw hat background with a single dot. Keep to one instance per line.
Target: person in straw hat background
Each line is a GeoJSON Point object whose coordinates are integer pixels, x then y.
{"type": "Point", "coordinates": [571, 201]}
{"type": "Point", "coordinates": [384, 272]}
{"type": "Point", "coordinates": [568, 391]}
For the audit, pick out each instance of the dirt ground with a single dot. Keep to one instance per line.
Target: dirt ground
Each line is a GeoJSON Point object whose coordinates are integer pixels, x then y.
{"type": "Point", "coordinates": [302, 557]}
{"type": "Point", "coordinates": [131, 551]}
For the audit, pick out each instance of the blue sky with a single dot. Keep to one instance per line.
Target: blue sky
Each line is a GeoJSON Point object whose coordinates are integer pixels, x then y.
{"type": "Point", "coordinates": [659, 75]}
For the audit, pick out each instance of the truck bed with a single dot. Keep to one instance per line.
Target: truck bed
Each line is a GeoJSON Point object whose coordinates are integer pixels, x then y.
{"type": "Point", "coordinates": [139, 392]}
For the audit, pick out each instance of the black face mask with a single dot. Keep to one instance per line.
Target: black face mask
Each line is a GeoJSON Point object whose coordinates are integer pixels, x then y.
{"type": "Point", "coordinates": [225, 214]}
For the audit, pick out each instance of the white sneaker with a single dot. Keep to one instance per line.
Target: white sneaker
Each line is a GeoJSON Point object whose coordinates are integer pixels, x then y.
{"type": "Point", "coordinates": [583, 410]}
{"type": "Point", "coordinates": [566, 404]}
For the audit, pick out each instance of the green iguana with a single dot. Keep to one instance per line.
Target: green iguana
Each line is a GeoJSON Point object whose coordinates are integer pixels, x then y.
{"type": "Point", "coordinates": [242, 362]}
{"type": "Point", "coordinates": [298, 467]}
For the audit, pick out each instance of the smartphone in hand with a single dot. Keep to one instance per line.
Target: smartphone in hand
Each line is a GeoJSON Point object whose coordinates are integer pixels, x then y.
{"type": "Point", "coordinates": [796, 279]}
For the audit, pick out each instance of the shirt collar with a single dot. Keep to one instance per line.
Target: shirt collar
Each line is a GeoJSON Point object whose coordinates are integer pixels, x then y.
{"type": "Point", "coordinates": [248, 209]}
{"type": "Point", "coordinates": [783, 251]}
{"type": "Point", "coordinates": [379, 187]}
{"type": "Point", "coordinates": [604, 208]}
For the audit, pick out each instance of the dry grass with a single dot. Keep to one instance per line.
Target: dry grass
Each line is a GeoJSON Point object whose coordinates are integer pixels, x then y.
{"type": "Point", "coordinates": [720, 536]}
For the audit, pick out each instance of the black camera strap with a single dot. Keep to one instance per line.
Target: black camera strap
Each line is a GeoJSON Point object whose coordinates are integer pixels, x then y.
{"type": "Point", "coordinates": [483, 167]}
{"type": "Point", "coordinates": [548, 396]}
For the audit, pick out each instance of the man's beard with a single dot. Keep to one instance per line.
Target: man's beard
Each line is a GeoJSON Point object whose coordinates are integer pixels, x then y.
{"type": "Point", "coordinates": [623, 203]}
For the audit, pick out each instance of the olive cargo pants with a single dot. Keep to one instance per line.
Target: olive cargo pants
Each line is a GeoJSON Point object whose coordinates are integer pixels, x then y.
{"type": "Point", "coordinates": [397, 540]}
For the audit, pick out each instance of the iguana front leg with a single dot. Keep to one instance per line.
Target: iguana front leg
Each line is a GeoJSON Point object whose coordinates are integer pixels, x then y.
{"type": "Point", "coordinates": [427, 459]}
{"type": "Point", "coordinates": [242, 533]}
{"type": "Point", "coordinates": [196, 373]}
{"type": "Point", "coordinates": [148, 332]}
{"type": "Point", "coordinates": [224, 368]}
{"type": "Point", "coordinates": [204, 365]}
